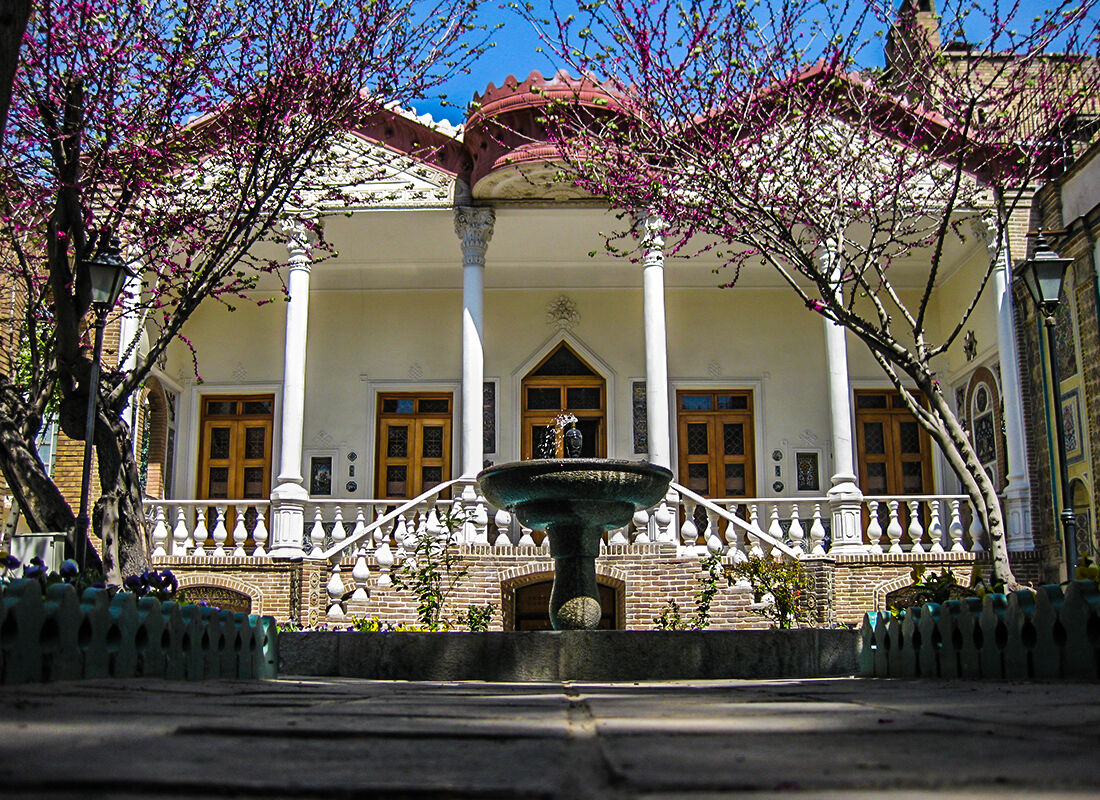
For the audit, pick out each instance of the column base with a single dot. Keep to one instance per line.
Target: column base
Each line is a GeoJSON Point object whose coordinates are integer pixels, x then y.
{"type": "Point", "coordinates": [1017, 512]}
{"type": "Point", "coordinates": [288, 508]}
{"type": "Point", "coordinates": [846, 507]}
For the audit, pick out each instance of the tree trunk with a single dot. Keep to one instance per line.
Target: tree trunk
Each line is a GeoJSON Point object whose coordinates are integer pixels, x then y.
{"type": "Point", "coordinates": [118, 518]}
{"type": "Point", "coordinates": [960, 451]}
{"type": "Point", "coordinates": [40, 502]}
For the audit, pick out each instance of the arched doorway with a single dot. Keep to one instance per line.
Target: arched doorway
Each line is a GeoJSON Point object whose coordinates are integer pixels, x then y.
{"type": "Point", "coordinates": [532, 606]}
{"type": "Point", "coordinates": [563, 383]}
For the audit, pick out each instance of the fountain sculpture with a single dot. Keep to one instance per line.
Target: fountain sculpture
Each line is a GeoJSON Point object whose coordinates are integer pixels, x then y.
{"type": "Point", "coordinates": [575, 500]}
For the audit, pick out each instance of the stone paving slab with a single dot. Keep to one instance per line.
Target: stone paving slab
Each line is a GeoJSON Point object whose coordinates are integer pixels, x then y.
{"type": "Point", "coordinates": [344, 738]}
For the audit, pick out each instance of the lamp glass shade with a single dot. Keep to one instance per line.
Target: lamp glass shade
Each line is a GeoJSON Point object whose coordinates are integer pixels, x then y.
{"type": "Point", "coordinates": [1043, 275]}
{"type": "Point", "coordinates": [108, 275]}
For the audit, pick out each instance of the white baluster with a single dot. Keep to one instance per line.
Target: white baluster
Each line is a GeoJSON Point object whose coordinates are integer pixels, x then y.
{"type": "Point", "coordinates": [481, 521]}
{"type": "Point", "coordinates": [160, 533]}
{"type": "Point", "coordinates": [384, 556]}
{"type": "Point", "coordinates": [317, 534]}
{"type": "Point", "coordinates": [503, 520]}
{"type": "Point", "coordinates": [955, 529]}
{"type": "Point", "coordinates": [641, 526]}
{"type": "Point", "coordinates": [714, 541]}
{"type": "Point", "coordinates": [526, 539]}
{"type": "Point", "coordinates": [893, 528]}
{"type": "Point", "coordinates": [400, 535]}
{"type": "Point", "coordinates": [817, 533]}
{"type": "Point", "coordinates": [181, 534]}
{"type": "Point", "coordinates": [240, 534]}
{"type": "Point", "coordinates": [379, 533]}
{"type": "Point", "coordinates": [259, 533]}
{"type": "Point", "coordinates": [916, 530]}
{"type": "Point", "coordinates": [776, 531]}
{"type": "Point", "coordinates": [335, 589]}
{"type": "Point", "coordinates": [360, 573]}
{"type": "Point", "coordinates": [338, 532]}
{"type": "Point", "coordinates": [735, 537]}
{"type": "Point", "coordinates": [663, 517]}
{"type": "Point", "coordinates": [689, 533]}
{"type": "Point", "coordinates": [976, 530]}
{"type": "Point", "coordinates": [935, 529]}
{"type": "Point", "coordinates": [200, 532]}
{"type": "Point", "coordinates": [357, 531]}
{"type": "Point", "coordinates": [874, 527]}
{"type": "Point", "coordinates": [796, 533]}
{"type": "Point", "coordinates": [755, 545]}
{"type": "Point", "coordinates": [219, 534]}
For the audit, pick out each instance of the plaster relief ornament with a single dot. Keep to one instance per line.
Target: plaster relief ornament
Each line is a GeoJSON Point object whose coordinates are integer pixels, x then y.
{"type": "Point", "coordinates": [562, 314]}
{"type": "Point", "coordinates": [240, 373]}
{"type": "Point", "coordinates": [322, 439]}
{"type": "Point", "coordinates": [416, 372]}
{"type": "Point", "coordinates": [714, 369]}
{"type": "Point", "coordinates": [970, 345]}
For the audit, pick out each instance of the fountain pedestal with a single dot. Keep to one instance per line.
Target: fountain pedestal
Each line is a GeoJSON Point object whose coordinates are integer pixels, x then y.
{"type": "Point", "coordinates": [575, 500]}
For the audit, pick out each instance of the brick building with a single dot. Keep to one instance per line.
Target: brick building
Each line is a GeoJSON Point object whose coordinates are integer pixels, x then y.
{"type": "Point", "coordinates": [462, 314]}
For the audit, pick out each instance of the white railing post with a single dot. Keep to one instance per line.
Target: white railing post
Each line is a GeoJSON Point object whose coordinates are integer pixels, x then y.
{"type": "Point", "coordinates": [976, 530]}
{"type": "Point", "coordinates": [874, 527]}
{"type": "Point", "coordinates": [916, 531]}
{"type": "Point", "coordinates": [955, 529]}
{"type": "Point", "coordinates": [200, 532]}
{"type": "Point", "coordinates": [688, 531]}
{"type": "Point", "coordinates": [935, 529]}
{"type": "Point", "coordinates": [795, 532]}
{"type": "Point", "coordinates": [503, 520]}
{"type": "Point", "coordinates": [360, 573]}
{"type": "Point", "coordinates": [317, 533]}
{"type": "Point", "coordinates": [817, 533]}
{"type": "Point", "coordinates": [893, 528]}
{"type": "Point", "coordinates": [335, 589]}
{"type": "Point", "coordinates": [240, 534]}
{"type": "Point", "coordinates": [641, 526]}
{"type": "Point", "coordinates": [259, 533]}
{"type": "Point", "coordinates": [160, 533]}
{"type": "Point", "coordinates": [735, 538]}
{"type": "Point", "coordinates": [181, 534]}
{"type": "Point", "coordinates": [775, 530]}
{"type": "Point", "coordinates": [219, 534]}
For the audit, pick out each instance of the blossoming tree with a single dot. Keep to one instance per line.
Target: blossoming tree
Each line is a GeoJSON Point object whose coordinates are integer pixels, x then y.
{"type": "Point", "coordinates": [764, 131]}
{"type": "Point", "coordinates": [185, 128]}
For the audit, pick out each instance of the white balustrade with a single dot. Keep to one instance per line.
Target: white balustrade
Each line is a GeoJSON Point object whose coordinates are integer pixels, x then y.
{"type": "Point", "coordinates": [907, 515]}
{"type": "Point", "coordinates": [237, 528]}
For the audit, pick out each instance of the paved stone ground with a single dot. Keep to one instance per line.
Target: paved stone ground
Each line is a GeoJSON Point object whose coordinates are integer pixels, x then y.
{"type": "Point", "coordinates": [346, 738]}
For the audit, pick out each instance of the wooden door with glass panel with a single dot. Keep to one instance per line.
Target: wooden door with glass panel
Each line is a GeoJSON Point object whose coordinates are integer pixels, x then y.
{"type": "Point", "coordinates": [414, 443]}
{"type": "Point", "coordinates": [716, 444]}
{"type": "Point", "coordinates": [562, 383]}
{"type": "Point", "coordinates": [895, 453]}
{"type": "Point", "coordinates": [235, 451]}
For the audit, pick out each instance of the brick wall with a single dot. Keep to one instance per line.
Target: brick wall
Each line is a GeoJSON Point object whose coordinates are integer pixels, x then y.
{"type": "Point", "coordinates": [645, 577]}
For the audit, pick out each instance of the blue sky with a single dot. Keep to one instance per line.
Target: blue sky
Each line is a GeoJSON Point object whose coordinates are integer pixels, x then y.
{"type": "Point", "coordinates": [516, 53]}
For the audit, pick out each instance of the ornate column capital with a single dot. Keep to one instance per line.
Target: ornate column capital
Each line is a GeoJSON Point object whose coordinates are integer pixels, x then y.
{"type": "Point", "coordinates": [985, 228]}
{"type": "Point", "coordinates": [474, 228]}
{"type": "Point", "coordinates": [651, 229]}
{"type": "Point", "coordinates": [301, 234]}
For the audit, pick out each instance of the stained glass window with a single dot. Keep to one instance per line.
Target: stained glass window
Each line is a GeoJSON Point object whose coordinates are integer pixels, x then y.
{"type": "Point", "coordinates": [638, 406]}
{"type": "Point", "coordinates": [807, 472]}
{"type": "Point", "coordinates": [489, 421]}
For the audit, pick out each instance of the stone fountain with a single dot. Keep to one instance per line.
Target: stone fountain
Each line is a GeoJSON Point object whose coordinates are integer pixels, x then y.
{"type": "Point", "coordinates": [575, 500]}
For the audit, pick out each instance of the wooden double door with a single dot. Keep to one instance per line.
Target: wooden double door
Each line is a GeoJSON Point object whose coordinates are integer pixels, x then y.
{"type": "Point", "coordinates": [716, 442]}
{"type": "Point", "coordinates": [235, 450]}
{"type": "Point", "coordinates": [414, 443]}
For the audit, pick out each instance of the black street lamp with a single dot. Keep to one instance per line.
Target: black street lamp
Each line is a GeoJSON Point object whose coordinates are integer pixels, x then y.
{"type": "Point", "coordinates": [108, 275]}
{"type": "Point", "coordinates": [1043, 275]}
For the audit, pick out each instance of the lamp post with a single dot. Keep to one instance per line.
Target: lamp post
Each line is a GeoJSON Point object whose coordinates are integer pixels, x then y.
{"type": "Point", "coordinates": [107, 275]}
{"type": "Point", "coordinates": [1043, 275]}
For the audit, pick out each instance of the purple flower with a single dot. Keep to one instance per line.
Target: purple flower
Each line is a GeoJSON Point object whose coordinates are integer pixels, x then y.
{"type": "Point", "coordinates": [69, 569]}
{"type": "Point", "coordinates": [9, 561]}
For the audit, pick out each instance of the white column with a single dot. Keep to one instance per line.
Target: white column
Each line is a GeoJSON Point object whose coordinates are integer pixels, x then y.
{"type": "Point", "coordinates": [845, 497]}
{"type": "Point", "coordinates": [656, 348]}
{"type": "Point", "coordinates": [1017, 491]}
{"type": "Point", "coordinates": [474, 227]}
{"type": "Point", "coordinates": [288, 499]}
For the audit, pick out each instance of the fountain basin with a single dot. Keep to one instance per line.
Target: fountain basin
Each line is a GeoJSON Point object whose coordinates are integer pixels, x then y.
{"type": "Point", "coordinates": [575, 500]}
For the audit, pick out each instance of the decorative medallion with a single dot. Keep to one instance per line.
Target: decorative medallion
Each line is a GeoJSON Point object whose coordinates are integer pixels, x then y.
{"type": "Point", "coordinates": [778, 486]}
{"type": "Point", "coordinates": [352, 455]}
{"type": "Point", "coordinates": [777, 455]}
{"type": "Point", "coordinates": [351, 486]}
{"type": "Point", "coordinates": [322, 439]}
{"type": "Point", "coordinates": [714, 369]}
{"type": "Point", "coordinates": [416, 372]}
{"type": "Point", "coordinates": [240, 373]}
{"type": "Point", "coordinates": [562, 314]}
